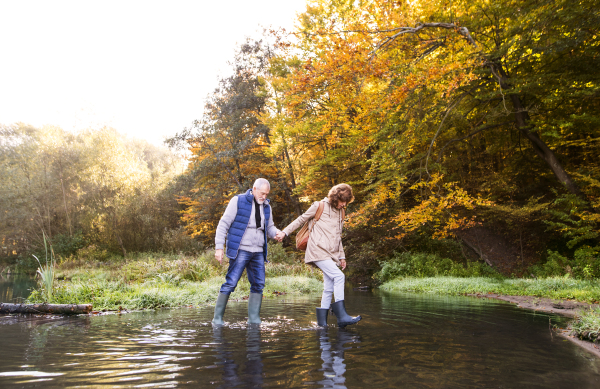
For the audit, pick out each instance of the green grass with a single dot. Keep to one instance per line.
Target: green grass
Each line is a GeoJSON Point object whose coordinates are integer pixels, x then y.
{"type": "Point", "coordinates": [149, 281]}
{"type": "Point", "coordinates": [587, 326]}
{"type": "Point", "coordinates": [556, 288]}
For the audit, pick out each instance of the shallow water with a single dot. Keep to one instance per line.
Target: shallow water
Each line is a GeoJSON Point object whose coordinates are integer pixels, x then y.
{"type": "Point", "coordinates": [404, 340]}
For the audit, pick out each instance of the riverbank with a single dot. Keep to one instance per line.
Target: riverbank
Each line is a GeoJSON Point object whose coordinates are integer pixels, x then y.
{"type": "Point", "coordinates": [563, 307]}
{"type": "Point", "coordinates": [150, 281]}
{"type": "Point", "coordinates": [577, 299]}
{"type": "Point", "coordinates": [552, 288]}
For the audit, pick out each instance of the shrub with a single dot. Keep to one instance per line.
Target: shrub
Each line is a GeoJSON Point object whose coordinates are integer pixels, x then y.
{"type": "Point", "coordinates": [409, 264]}
{"type": "Point", "coordinates": [178, 241]}
{"type": "Point", "coordinates": [555, 265]}
{"type": "Point", "coordinates": [585, 265]}
{"type": "Point", "coordinates": [66, 245]}
{"type": "Point", "coordinates": [587, 262]}
{"type": "Point", "coordinates": [277, 254]}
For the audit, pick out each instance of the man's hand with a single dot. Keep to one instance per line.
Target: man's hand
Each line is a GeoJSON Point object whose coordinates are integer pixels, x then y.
{"type": "Point", "coordinates": [219, 255]}
{"type": "Point", "coordinates": [280, 235]}
{"type": "Point", "coordinates": [343, 263]}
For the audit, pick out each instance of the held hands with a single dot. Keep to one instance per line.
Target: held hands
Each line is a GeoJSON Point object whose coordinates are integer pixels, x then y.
{"type": "Point", "coordinates": [280, 235]}
{"type": "Point", "coordinates": [219, 255]}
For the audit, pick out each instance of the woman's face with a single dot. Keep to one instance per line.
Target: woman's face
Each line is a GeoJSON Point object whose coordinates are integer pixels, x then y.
{"type": "Point", "coordinates": [341, 204]}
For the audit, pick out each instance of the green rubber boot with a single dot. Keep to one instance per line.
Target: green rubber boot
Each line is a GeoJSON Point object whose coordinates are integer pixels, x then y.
{"type": "Point", "coordinates": [339, 310]}
{"type": "Point", "coordinates": [322, 316]}
{"type": "Point", "coordinates": [220, 309]}
{"type": "Point", "coordinates": [254, 303]}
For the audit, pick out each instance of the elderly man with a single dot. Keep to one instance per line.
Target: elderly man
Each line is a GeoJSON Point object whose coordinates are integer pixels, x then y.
{"type": "Point", "coordinates": [244, 228]}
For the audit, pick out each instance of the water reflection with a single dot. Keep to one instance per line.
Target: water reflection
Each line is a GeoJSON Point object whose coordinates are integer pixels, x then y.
{"type": "Point", "coordinates": [41, 330]}
{"type": "Point", "coordinates": [225, 353]}
{"type": "Point", "coordinates": [332, 354]}
{"type": "Point", "coordinates": [254, 365]}
{"type": "Point", "coordinates": [15, 288]}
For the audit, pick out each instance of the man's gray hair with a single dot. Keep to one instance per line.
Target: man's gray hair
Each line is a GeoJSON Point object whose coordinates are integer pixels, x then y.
{"type": "Point", "coordinates": [260, 183]}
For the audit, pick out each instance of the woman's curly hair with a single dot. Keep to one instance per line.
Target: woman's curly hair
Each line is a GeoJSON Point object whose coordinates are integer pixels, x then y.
{"type": "Point", "coordinates": [340, 192]}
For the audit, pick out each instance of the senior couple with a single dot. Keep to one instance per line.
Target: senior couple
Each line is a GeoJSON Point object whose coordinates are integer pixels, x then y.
{"type": "Point", "coordinates": [242, 236]}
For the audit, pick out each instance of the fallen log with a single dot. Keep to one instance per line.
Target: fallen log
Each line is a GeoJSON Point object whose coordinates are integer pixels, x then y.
{"type": "Point", "coordinates": [57, 309]}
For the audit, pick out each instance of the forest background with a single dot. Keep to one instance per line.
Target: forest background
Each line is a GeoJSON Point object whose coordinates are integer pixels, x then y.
{"type": "Point", "coordinates": [469, 130]}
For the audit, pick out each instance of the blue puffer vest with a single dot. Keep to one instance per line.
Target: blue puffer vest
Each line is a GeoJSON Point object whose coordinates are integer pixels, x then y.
{"type": "Point", "coordinates": [240, 223]}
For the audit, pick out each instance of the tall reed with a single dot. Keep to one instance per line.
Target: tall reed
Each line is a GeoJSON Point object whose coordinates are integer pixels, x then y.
{"type": "Point", "coordinates": [47, 272]}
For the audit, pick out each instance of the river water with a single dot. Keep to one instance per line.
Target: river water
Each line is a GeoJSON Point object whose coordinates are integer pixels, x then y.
{"type": "Point", "coordinates": [15, 288]}
{"type": "Point", "coordinates": [404, 340]}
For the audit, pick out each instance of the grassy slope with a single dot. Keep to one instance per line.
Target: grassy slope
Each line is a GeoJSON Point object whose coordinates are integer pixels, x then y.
{"type": "Point", "coordinates": [558, 288]}
{"type": "Point", "coordinates": [153, 281]}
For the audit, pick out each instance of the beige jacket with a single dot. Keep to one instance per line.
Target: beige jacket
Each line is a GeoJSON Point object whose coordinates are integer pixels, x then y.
{"type": "Point", "coordinates": [325, 240]}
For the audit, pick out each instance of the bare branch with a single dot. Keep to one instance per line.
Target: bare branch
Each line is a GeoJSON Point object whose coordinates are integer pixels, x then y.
{"type": "Point", "coordinates": [413, 30]}
{"type": "Point", "coordinates": [401, 31]}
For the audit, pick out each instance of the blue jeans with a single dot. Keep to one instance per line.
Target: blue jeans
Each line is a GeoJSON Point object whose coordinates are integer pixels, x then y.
{"type": "Point", "coordinates": [254, 263]}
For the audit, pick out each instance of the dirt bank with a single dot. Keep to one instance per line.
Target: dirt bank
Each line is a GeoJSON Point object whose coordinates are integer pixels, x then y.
{"type": "Point", "coordinates": [566, 308]}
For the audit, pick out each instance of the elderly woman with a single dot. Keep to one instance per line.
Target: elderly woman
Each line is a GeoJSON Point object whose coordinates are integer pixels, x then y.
{"type": "Point", "coordinates": [325, 251]}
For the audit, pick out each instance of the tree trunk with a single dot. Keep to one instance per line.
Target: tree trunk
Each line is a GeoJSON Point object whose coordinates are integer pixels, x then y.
{"type": "Point", "coordinates": [478, 251]}
{"type": "Point", "coordinates": [62, 184]}
{"type": "Point", "coordinates": [60, 309]}
{"type": "Point", "coordinates": [119, 240]}
{"type": "Point", "coordinates": [293, 198]}
{"type": "Point", "coordinates": [121, 244]}
{"type": "Point", "coordinates": [539, 146]}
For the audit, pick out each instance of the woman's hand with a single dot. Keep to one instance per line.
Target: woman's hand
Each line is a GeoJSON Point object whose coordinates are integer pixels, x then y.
{"type": "Point", "coordinates": [343, 263]}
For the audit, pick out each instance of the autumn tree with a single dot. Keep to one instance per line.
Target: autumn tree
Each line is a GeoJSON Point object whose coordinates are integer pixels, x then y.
{"type": "Point", "coordinates": [231, 146]}
{"type": "Point", "coordinates": [434, 109]}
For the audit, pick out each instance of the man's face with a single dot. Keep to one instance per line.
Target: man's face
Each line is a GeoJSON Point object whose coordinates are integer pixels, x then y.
{"type": "Point", "coordinates": [261, 194]}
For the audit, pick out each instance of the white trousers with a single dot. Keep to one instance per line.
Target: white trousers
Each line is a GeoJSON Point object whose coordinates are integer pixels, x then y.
{"type": "Point", "coordinates": [333, 282]}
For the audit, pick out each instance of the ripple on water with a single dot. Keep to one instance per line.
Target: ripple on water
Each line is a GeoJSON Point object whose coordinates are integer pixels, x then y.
{"type": "Point", "coordinates": [403, 340]}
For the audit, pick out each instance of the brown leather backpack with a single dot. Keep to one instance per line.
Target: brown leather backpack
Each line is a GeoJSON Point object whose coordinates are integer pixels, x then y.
{"type": "Point", "coordinates": [304, 233]}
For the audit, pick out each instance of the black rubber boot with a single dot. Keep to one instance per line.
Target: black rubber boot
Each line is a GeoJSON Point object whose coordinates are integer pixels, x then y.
{"type": "Point", "coordinates": [254, 303]}
{"type": "Point", "coordinates": [220, 309]}
{"type": "Point", "coordinates": [322, 316]}
{"type": "Point", "coordinates": [339, 310]}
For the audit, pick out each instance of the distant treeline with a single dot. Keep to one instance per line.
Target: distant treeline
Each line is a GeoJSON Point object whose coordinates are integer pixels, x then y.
{"type": "Point", "coordinates": [93, 192]}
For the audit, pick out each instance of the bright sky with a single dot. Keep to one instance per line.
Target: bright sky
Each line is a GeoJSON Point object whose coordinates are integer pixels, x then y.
{"type": "Point", "coordinates": [142, 67]}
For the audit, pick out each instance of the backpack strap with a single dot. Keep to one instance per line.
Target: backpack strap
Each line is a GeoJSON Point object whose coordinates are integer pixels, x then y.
{"type": "Point", "coordinates": [317, 216]}
{"type": "Point", "coordinates": [319, 211]}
